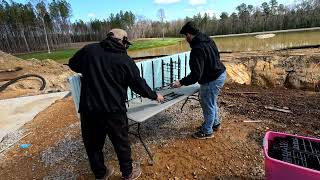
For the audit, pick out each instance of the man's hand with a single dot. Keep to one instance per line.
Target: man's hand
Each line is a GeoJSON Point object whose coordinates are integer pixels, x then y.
{"type": "Point", "coordinates": [176, 84]}
{"type": "Point", "coordinates": [160, 98]}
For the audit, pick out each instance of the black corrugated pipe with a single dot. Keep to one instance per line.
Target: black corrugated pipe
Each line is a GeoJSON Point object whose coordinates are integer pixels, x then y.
{"type": "Point", "coordinates": [4, 86]}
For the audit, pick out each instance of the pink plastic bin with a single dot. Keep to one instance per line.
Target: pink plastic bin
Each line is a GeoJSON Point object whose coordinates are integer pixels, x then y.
{"type": "Point", "coordinates": [280, 170]}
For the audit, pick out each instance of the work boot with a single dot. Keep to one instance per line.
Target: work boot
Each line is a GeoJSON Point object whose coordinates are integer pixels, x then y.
{"type": "Point", "coordinates": [136, 172]}
{"type": "Point", "coordinates": [108, 174]}
{"type": "Point", "coordinates": [202, 135]}
{"type": "Point", "coordinates": [214, 127]}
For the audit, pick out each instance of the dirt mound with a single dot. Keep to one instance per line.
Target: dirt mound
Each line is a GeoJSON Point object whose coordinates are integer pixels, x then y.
{"type": "Point", "coordinates": [294, 69]}
{"type": "Point", "coordinates": [54, 73]}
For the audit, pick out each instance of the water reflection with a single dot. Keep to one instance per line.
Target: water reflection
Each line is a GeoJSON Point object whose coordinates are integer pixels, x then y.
{"type": "Point", "coordinates": [242, 43]}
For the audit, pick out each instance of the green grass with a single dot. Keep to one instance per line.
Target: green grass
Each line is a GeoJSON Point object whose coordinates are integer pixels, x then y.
{"type": "Point", "coordinates": [59, 56]}
{"type": "Point", "coordinates": [62, 56]}
{"type": "Point", "coordinates": [152, 43]}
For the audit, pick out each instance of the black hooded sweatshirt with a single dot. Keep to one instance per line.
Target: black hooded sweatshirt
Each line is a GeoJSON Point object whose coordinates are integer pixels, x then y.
{"type": "Point", "coordinates": [205, 64]}
{"type": "Point", "coordinates": [107, 72]}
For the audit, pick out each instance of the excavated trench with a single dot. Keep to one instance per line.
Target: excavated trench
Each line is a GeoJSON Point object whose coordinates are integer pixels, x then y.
{"type": "Point", "coordinates": [290, 69]}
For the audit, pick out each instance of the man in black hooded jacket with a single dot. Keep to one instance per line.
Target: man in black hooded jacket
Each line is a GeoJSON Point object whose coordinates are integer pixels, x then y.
{"type": "Point", "coordinates": [107, 72]}
{"type": "Point", "coordinates": [206, 69]}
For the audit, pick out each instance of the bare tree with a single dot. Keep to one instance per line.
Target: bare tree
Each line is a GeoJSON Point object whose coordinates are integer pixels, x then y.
{"type": "Point", "coordinates": [42, 12]}
{"type": "Point", "coordinates": [162, 16]}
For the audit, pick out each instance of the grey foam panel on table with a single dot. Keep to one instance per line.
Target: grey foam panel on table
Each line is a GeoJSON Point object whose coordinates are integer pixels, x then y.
{"type": "Point", "coordinates": [140, 110]}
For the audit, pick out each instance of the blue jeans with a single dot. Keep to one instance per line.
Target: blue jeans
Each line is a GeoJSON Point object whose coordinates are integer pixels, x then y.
{"type": "Point", "coordinates": [208, 98]}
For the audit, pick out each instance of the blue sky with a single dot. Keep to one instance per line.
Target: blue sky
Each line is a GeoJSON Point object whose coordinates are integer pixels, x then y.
{"type": "Point", "coordinates": [174, 9]}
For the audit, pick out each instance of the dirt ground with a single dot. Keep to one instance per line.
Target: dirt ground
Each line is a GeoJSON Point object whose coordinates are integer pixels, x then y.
{"type": "Point", "coordinates": [235, 152]}
{"type": "Point", "coordinates": [57, 151]}
{"type": "Point", "coordinates": [54, 73]}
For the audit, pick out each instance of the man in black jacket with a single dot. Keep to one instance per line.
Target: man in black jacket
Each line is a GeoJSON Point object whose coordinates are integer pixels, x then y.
{"type": "Point", "coordinates": [206, 69]}
{"type": "Point", "coordinates": [107, 72]}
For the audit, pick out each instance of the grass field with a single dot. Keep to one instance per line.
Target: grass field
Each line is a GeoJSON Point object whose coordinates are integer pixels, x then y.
{"type": "Point", "coordinates": [63, 55]}
{"type": "Point", "coordinates": [59, 56]}
{"type": "Point", "coordinates": [152, 43]}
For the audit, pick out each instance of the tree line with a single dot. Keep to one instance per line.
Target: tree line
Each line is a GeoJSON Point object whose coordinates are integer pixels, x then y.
{"type": "Point", "coordinates": [34, 26]}
{"type": "Point", "coordinates": [267, 17]}
{"type": "Point", "coordinates": [37, 25]}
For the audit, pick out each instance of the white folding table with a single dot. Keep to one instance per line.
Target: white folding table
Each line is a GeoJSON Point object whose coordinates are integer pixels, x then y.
{"type": "Point", "coordinates": [141, 109]}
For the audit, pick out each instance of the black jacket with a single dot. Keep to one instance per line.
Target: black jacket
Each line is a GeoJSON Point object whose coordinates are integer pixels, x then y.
{"type": "Point", "coordinates": [205, 64]}
{"type": "Point", "coordinates": [107, 72]}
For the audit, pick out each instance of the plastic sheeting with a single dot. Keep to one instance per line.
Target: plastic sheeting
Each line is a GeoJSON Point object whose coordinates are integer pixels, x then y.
{"type": "Point", "coordinates": [16, 112]}
{"type": "Point", "coordinates": [75, 86]}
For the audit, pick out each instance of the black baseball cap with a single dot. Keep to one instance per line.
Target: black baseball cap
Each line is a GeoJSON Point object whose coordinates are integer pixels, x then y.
{"type": "Point", "coordinates": [189, 27]}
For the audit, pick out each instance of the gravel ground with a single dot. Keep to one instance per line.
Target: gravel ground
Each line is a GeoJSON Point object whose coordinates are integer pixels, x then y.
{"type": "Point", "coordinates": [66, 149]}
{"type": "Point", "coordinates": [173, 124]}
{"type": "Point", "coordinates": [10, 140]}
{"type": "Point", "coordinates": [61, 175]}
{"type": "Point", "coordinates": [162, 129]}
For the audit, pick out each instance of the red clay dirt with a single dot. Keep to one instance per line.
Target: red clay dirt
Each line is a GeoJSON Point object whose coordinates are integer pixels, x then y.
{"type": "Point", "coordinates": [234, 153]}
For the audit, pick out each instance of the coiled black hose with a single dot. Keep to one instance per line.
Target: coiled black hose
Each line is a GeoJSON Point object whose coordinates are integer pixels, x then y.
{"type": "Point", "coordinates": [4, 86]}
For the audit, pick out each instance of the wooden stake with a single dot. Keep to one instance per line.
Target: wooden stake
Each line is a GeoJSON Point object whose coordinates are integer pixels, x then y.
{"type": "Point", "coordinates": [241, 92]}
{"type": "Point", "coordinates": [278, 109]}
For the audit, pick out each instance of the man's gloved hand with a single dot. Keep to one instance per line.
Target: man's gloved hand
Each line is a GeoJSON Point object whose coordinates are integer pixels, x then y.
{"type": "Point", "coordinates": [176, 84]}
{"type": "Point", "coordinates": [160, 98]}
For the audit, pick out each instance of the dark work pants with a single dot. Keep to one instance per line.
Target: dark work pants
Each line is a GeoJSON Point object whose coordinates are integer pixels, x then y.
{"type": "Point", "coordinates": [95, 126]}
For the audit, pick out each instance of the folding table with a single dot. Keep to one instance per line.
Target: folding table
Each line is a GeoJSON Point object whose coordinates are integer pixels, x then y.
{"type": "Point", "coordinates": [141, 109]}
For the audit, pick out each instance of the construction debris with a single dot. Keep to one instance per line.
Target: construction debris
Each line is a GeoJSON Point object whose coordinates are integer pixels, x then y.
{"type": "Point", "coordinates": [277, 109]}
{"type": "Point", "coordinates": [241, 92]}
{"type": "Point", "coordinates": [250, 121]}
{"type": "Point", "coordinates": [15, 142]}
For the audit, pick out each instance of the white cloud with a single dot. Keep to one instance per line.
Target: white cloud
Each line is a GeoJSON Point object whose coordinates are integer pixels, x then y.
{"type": "Point", "coordinates": [200, 8]}
{"type": "Point", "coordinates": [166, 1]}
{"type": "Point", "coordinates": [197, 2]}
{"type": "Point", "coordinates": [91, 15]}
{"type": "Point", "coordinates": [189, 10]}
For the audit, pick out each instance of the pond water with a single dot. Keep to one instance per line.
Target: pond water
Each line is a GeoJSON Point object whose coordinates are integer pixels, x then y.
{"type": "Point", "coordinates": [240, 43]}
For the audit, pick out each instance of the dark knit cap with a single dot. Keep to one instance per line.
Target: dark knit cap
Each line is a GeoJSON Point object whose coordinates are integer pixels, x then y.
{"type": "Point", "coordinates": [190, 28]}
